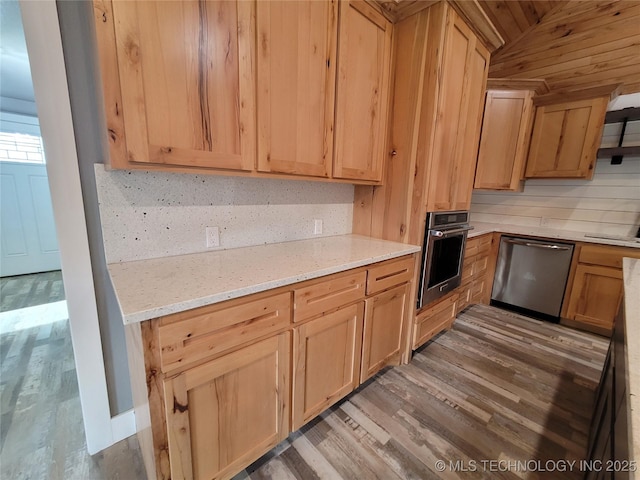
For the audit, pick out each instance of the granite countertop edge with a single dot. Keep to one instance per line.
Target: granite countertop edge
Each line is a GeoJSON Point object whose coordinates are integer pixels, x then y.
{"type": "Point", "coordinates": [150, 275]}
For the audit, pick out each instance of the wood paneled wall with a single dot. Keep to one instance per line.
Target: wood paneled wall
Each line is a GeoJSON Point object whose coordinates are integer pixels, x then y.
{"type": "Point", "coordinates": [577, 45]}
{"type": "Point", "coordinates": [610, 203]}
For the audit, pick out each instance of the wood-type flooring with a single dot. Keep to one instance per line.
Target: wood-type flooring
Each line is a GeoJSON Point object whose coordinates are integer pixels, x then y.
{"type": "Point", "coordinates": [28, 290]}
{"type": "Point", "coordinates": [497, 387]}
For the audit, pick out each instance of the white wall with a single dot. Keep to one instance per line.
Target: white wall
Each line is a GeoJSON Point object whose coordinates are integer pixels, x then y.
{"type": "Point", "coordinates": [610, 203]}
{"type": "Point", "coordinates": [155, 214]}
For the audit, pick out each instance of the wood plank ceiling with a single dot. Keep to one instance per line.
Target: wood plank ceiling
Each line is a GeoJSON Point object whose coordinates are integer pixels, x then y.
{"type": "Point", "coordinates": [511, 18]}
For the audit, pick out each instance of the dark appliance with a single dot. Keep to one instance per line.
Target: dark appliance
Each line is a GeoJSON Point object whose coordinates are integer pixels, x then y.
{"type": "Point", "coordinates": [442, 253]}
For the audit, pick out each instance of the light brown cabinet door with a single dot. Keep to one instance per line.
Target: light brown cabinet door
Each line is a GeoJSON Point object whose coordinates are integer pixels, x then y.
{"type": "Point", "coordinates": [457, 132]}
{"type": "Point", "coordinates": [296, 65]}
{"type": "Point", "coordinates": [186, 79]}
{"type": "Point", "coordinates": [326, 361]}
{"type": "Point", "coordinates": [226, 413]}
{"type": "Point", "coordinates": [382, 337]}
{"type": "Point", "coordinates": [595, 295]}
{"type": "Point", "coordinates": [566, 138]}
{"type": "Point", "coordinates": [364, 69]}
{"type": "Point", "coordinates": [504, 141]}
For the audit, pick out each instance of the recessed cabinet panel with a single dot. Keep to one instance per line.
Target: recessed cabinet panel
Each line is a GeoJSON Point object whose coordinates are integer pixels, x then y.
{"type": "Point", "coordinates": [457, 129]}
{"type": "Point", "coordinates": [326, 361]}
{"type": "Point", "coordinates": [186, 82]}
{"type": "Point", "coordinates": [504, 142]}
{"type": "Point", "coordinates": [382, 336]}
{"type": "Point", "coordinates": [224, 414]}
{"type": "Point", "coordinates": [566, 138]}
{"type": "Point", "coordinates": [296, 64]}
{"type": "Point", "coordinates": [362, 96]}
{"type": "Point", "coordinates": [596, 295]}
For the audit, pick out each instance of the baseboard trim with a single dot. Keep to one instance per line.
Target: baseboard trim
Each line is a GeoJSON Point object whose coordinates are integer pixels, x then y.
{"type": "Point", "coordinates": [123, 425]}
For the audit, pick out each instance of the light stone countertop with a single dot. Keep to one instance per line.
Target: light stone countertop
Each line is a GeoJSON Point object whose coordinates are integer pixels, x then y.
{"type": "Point", "coordinates": [151, 288]}
{"type": "Point", "coordinates": [480, 228]}
{"type": "Point", "coordinates": [631, 275]}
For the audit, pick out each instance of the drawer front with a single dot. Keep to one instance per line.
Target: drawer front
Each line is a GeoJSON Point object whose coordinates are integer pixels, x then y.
{"type": "Point", "coordinates": [480, 266]}
{"type": "Point", "coordinates": [606, 256]}
{"type": "Point", "coordinates": [389, 275]}
{"type": "Point", "coordinates": [325, 296]}
{"type": "Point", "coordinates": [212, 330]}
{"type": "Point", "coordinates": [478, 245]}
{"type": "Point", "coordinates": [434, 320]}
{"type": "Point", "coordinates": [471, 247]}
{"type": "Point", "coordinates": [467, 271]}
{"type": "Point", "coordinates": [478, 290]}
{"type": "Point", "coordinates": [484, 246]}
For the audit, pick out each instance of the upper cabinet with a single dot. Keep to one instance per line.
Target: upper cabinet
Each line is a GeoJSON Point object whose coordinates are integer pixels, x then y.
{"type": "Point", "coordinates": [364, 71]}
{"type": "Point", "coordinates": [565, 139]}
{"type": "Point", "coordinates": [504, 142]}
{"type": "Point", "coordinates": [456, 127]}
{"type": "Point", "coordinates": [245, 87]}
{"type": "Point", "coordinates": [440, 71]}
{"type": "Point", "coordinates": [185, 83]}
{"type": "Point", "coordinates": [296, 64]}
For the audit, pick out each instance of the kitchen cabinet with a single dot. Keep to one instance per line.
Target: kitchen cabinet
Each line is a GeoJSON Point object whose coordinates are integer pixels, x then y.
{"type": "Point", "coordinates": [437, 317]}
{"type": "Point", "coordinates": [179, 83]}
{"type": "Point", "coordinates": [504, 140]}
{"type": "Point", "coordinates": [296, 71]}
{"type": "Point", "coordinates": [224, 414]}
{"type": "Point", "coordinates": [566, 137]}
{"type": "Point", "coordinates": [326, 361]}
{"type": "Point", "coordinates": [382, 337]}
{"type": "Point", "coordinates": [362, 98]}
{"type": "Point", "coordinates": [456, 129]}
{"type": "Point", "coordinates": [246, 88]}
{"type": "Point", "coordinates": [478, 267]}
{"type": "Point", "coordinates": [595, 287]}
{"type": "Point", "coordinates": [438, 94]}
{"type": "Point", "coordinates": [217, 386]}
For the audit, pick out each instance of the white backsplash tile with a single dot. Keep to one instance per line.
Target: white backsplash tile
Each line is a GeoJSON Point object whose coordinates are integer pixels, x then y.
{"type": "Point", "coordinates": [157, 214]}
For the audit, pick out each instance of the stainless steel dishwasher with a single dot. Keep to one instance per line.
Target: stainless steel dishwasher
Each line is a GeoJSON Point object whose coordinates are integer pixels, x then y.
{"type": "Point", "coordinates": [531, 276]}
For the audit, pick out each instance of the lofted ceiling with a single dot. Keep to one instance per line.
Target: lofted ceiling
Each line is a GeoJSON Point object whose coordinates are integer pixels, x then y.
{"type": "Point", "coordinates": [510, 18]}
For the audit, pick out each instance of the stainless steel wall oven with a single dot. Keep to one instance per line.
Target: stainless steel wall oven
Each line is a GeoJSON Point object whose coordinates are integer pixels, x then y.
{"type": "Point", "coordinates": [442, 253]}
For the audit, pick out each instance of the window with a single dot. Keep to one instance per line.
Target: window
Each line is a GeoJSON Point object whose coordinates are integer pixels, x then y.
{"type": "Point", "coordinates": [21, 147]}
{"type": "Point", "coordinates": [20, 139]}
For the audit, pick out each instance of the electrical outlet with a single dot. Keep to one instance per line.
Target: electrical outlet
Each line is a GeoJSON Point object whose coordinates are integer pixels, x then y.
{"type": "Point", "coordinates": [317, 227]}
{"type": "Point", "coordinates": [212, 235]}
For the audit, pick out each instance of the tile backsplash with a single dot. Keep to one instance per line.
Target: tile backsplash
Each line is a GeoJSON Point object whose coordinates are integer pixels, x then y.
{"type": "Point", "coordinates": [156, 214]}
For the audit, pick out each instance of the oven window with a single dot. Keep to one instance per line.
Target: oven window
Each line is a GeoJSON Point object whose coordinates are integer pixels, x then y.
{"type": "Point", "coordinates": [445, 260]}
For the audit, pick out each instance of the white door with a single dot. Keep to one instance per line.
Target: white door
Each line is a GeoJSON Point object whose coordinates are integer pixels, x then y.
{"type": "Point", "coordinates": [27, 229]}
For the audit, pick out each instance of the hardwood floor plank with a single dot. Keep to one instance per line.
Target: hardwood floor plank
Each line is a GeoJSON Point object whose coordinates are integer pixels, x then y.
{"type": "Point", "coordinates": [497, 386]}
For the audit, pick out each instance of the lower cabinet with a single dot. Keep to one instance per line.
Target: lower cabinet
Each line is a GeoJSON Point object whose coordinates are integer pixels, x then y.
{"type": "Point", "coordinates": [594, 292]}
{"type": "Point", "coordinates": [220, 385]}
{"type": "Point", "coordinates": [382, 344]}
{"type": "Point", "coordinates": [434, 319]}
{"type": "Point", "coordinates": [224, 414]}
{"type": "Point", "coordinates": [326, 361]}
{"type": "Point", "coordinates": [596, 295]}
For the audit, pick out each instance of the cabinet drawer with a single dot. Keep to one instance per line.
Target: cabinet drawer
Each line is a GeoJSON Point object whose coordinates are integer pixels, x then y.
{"type": "Point", "coordinates": [477, 245]}
{"type": "Point", "coordinates": [467, 271]}
{"type": "Point", "coordinates": [202, 333]}
{"type": "Point", "coordinates": [389, 275]}
{"type": "Point", "coordinates": [325, 296]}
{"type": "Point", "coordinates": [606, 256]}
{"type": "Point", "coordinates": [480, 266]}
{"type": "Point", "coordinates": [434, 320]}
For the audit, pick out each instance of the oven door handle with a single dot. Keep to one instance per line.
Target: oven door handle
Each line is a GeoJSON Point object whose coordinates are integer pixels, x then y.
{"type": "Point", "coordinates": [446, 233]}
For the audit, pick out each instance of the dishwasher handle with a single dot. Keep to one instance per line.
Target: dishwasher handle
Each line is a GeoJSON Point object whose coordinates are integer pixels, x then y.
{"type": "Point", "coordinates": [547, 246]}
